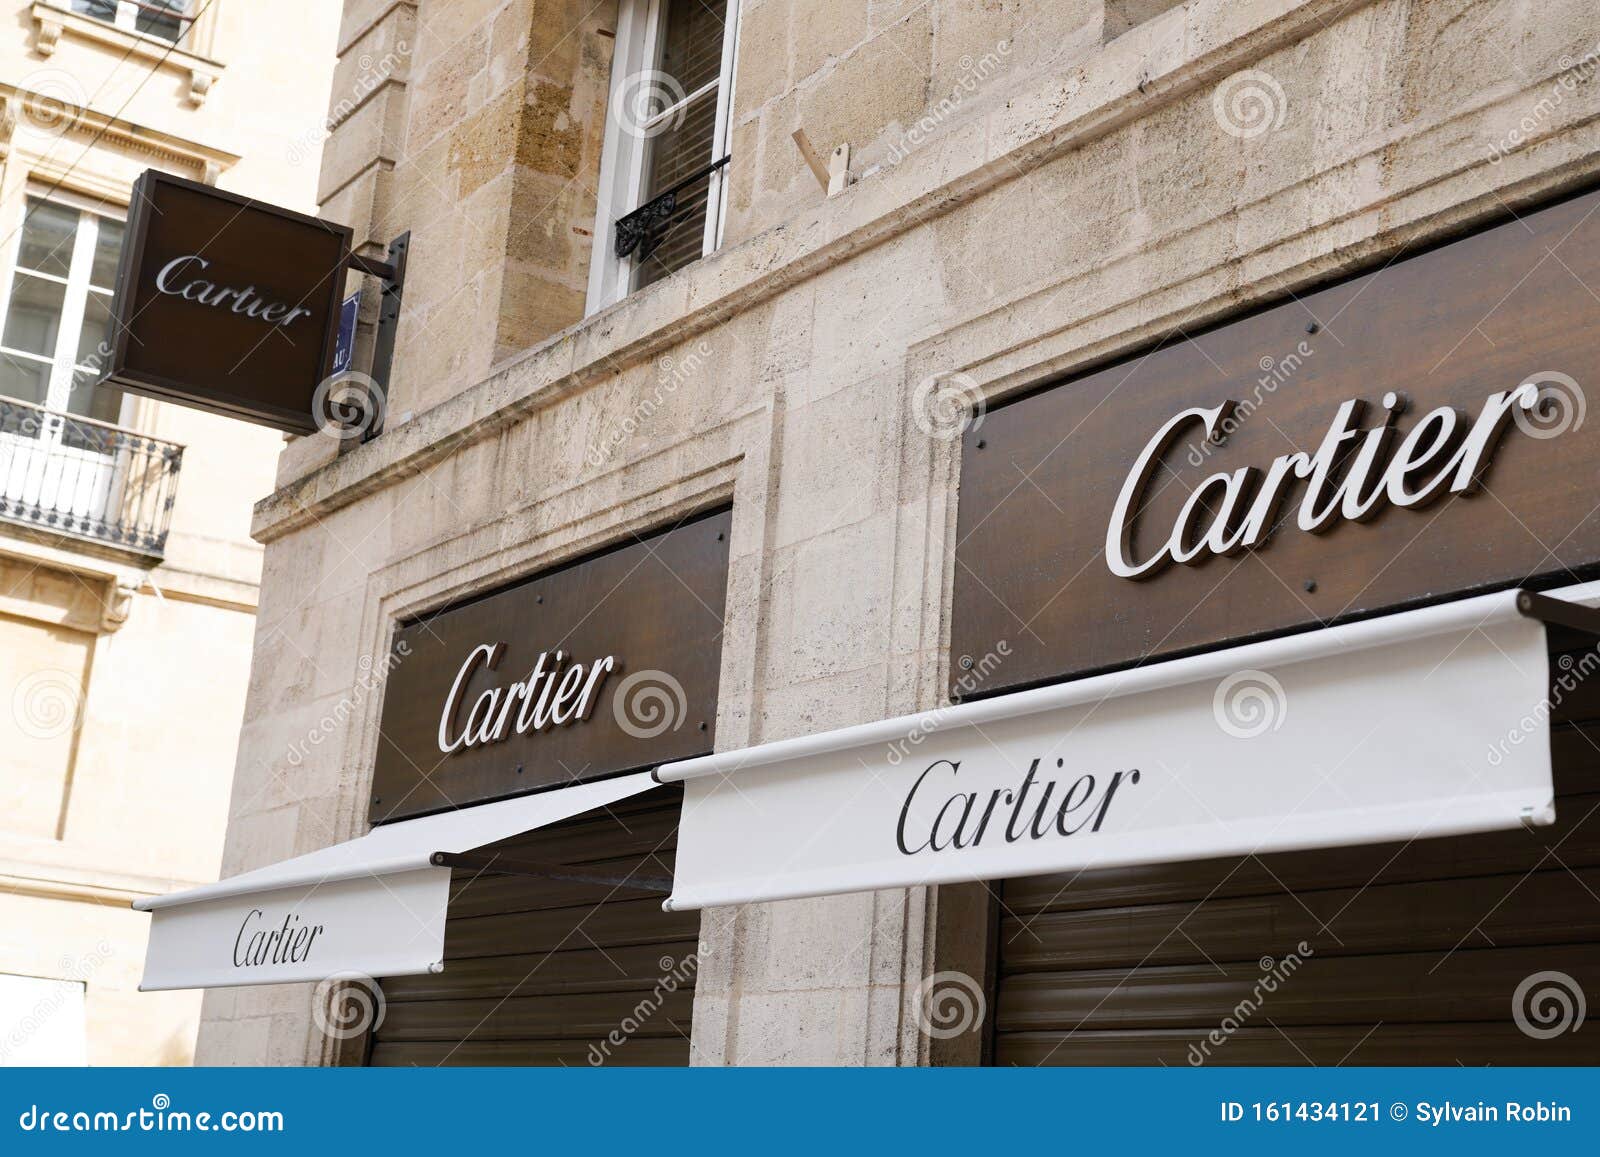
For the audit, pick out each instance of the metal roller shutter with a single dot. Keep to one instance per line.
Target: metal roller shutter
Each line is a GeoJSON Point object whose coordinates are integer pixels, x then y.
{"type": "Point", "coordinates": [540, 972]}
{"type": "Point", "coordinates": [1416, 950]}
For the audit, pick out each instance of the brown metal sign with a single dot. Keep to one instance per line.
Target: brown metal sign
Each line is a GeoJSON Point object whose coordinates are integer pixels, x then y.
{"type": "Point", "coordinates": [226, 303]}
{"type": "Point", "coordinates": [606, 665]}
{"type": "Point", "coordinates": [1404, 436]}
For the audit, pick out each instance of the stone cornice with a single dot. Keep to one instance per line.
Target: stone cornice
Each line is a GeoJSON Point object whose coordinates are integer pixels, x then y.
{"type": "Point", "coordinates": [166, 148]}
{"type": "Point", "coordinates": [1153, 64]}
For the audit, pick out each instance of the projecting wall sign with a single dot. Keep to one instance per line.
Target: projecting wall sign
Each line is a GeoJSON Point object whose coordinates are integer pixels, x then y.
{"type": "Point", "coordinates": [1403, 436]}
{"type": "Point", "coordinates": [605, 665]}
{"type": "Point", "coordinates": [226, 303]}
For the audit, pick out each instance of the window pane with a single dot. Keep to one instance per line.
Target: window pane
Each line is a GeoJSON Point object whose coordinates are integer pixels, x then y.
{"type": "Point", "coordinates": [107, 248]}
{"type": "Point", "coordinates": [96, 324]}
{"type": "Point", "coordinates": [47, 237]}
{"type": "Point", "coordinates": [691, 53]}
{"type": "Point", "coordinates": [691, 42]}
{"type": "Point", "coordinates": [35, 315]}
{"type": "Point", "coordinates": [102, 403]}
{"type": "Point", "coordinates": [160, 18]}
{"type": "Point", "coordinates": [100, 9]}
{"type": "Point", "coordinates": [24, 379]}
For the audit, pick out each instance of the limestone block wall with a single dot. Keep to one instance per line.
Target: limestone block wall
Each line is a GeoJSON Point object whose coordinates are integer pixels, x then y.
{"type": "Point", "coordinates": [1215, 155]}
{"type": "Point", "coordinates": [476, 125]}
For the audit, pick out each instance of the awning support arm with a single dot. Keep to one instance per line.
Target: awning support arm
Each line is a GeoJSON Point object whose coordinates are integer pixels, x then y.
{"type": "Point", "coordinates": [1574, 616]}
{"type": "Point", "coordinates": [506, 865]}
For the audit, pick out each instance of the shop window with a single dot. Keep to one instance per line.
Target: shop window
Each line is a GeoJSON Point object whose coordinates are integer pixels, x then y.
{"type": "Point", "coordinates": [664, 168]}
{"type": "Point", "coordinates": [57, 307]}
{"type": "Point", "coordinates": [167, 19]}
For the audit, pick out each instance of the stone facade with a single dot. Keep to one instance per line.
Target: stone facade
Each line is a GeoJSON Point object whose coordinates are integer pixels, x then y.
{"type": "Point", "coordinates": [1037, 188]}
{"type": "Point", "coordinates": [124, 676]}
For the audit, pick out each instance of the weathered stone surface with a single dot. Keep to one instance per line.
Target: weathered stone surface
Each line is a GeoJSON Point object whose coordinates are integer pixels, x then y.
{"type": "Point", "coordinates": [1076, 206]}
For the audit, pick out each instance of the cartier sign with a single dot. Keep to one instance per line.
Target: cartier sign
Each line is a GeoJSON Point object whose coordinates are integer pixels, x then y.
{"type": "Point", "coordinates": [1403, 436]}
{"type": "Point", "coordinates": [1348, 477]}
{"type": "Point", "coordinates": [606, 665]}
{"type": "Point", "coordinates": [225, 303]}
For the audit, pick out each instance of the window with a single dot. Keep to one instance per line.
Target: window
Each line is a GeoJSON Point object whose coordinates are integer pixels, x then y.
{"type": "Point", "coordinates": [167, 19]}
{"type": "Point", "coordinates": [58, 313]}
{"type": "Point", "coordinates": [663, 171]}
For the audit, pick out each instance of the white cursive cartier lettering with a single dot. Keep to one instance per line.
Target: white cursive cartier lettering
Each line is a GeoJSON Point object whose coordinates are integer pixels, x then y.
{"type": "Point", "coordinates": [245, 300]}
{"type": "Point", "coordinates": [548, 696]}
{"type": "Point", "coordinates": [1351, 476]}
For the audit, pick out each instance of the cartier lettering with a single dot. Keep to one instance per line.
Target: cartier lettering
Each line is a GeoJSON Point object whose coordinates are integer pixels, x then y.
{"type": "Point", "coordinates": [259, 943]}
{"type": "Point", "coordinates": [1030, 810]}
{"type": "Point", "coordinates": [1354, 473]}
{"type": "Point", "coordinates": [180, 277]}
{"type": "Point", "coordinates": [551, 695]}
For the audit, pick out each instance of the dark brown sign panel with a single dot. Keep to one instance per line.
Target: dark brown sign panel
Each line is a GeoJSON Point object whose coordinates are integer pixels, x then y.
{"type": "Point", "coordinates": [606, 665]}
{"type": "Point", "coordinates": [1408, 435]}
{"type": "Point", "coordinates": [226, 303]}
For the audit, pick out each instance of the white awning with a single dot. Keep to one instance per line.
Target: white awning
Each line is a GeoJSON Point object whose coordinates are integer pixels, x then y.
{"type": "Point", "coordinates": [373, 906]}
{"type": "Point", "coordinates": [1424, 723]}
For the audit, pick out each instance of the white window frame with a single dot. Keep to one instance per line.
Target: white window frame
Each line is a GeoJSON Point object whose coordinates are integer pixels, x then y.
{"type": "Point", "coordinates": [623, 156]}
{"type": "Point", "coordinates": [64, 364]}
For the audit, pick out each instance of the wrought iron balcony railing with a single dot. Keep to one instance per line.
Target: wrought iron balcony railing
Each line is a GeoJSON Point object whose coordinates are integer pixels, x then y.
{"type": "Point", "coordinates": [91, 480]}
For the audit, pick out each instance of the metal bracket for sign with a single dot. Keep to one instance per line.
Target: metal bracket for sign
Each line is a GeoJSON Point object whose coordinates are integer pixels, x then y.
{"type": "Point", "coordinates": [391, 275]}
{"type": "Point", "coordinates": [505, 865]}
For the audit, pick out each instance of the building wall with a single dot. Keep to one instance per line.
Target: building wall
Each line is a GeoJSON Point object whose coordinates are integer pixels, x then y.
{"type": "Point", "coordinates": [124, 683]}
{"type": "Point", "coordinates": [1135, 171]}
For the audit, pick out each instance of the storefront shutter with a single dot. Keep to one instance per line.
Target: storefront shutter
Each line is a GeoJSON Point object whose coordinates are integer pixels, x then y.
{"type": "Point", "coordinates": [544, 972]}
{"type": "Point", "coordinates": [1417, 950]}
